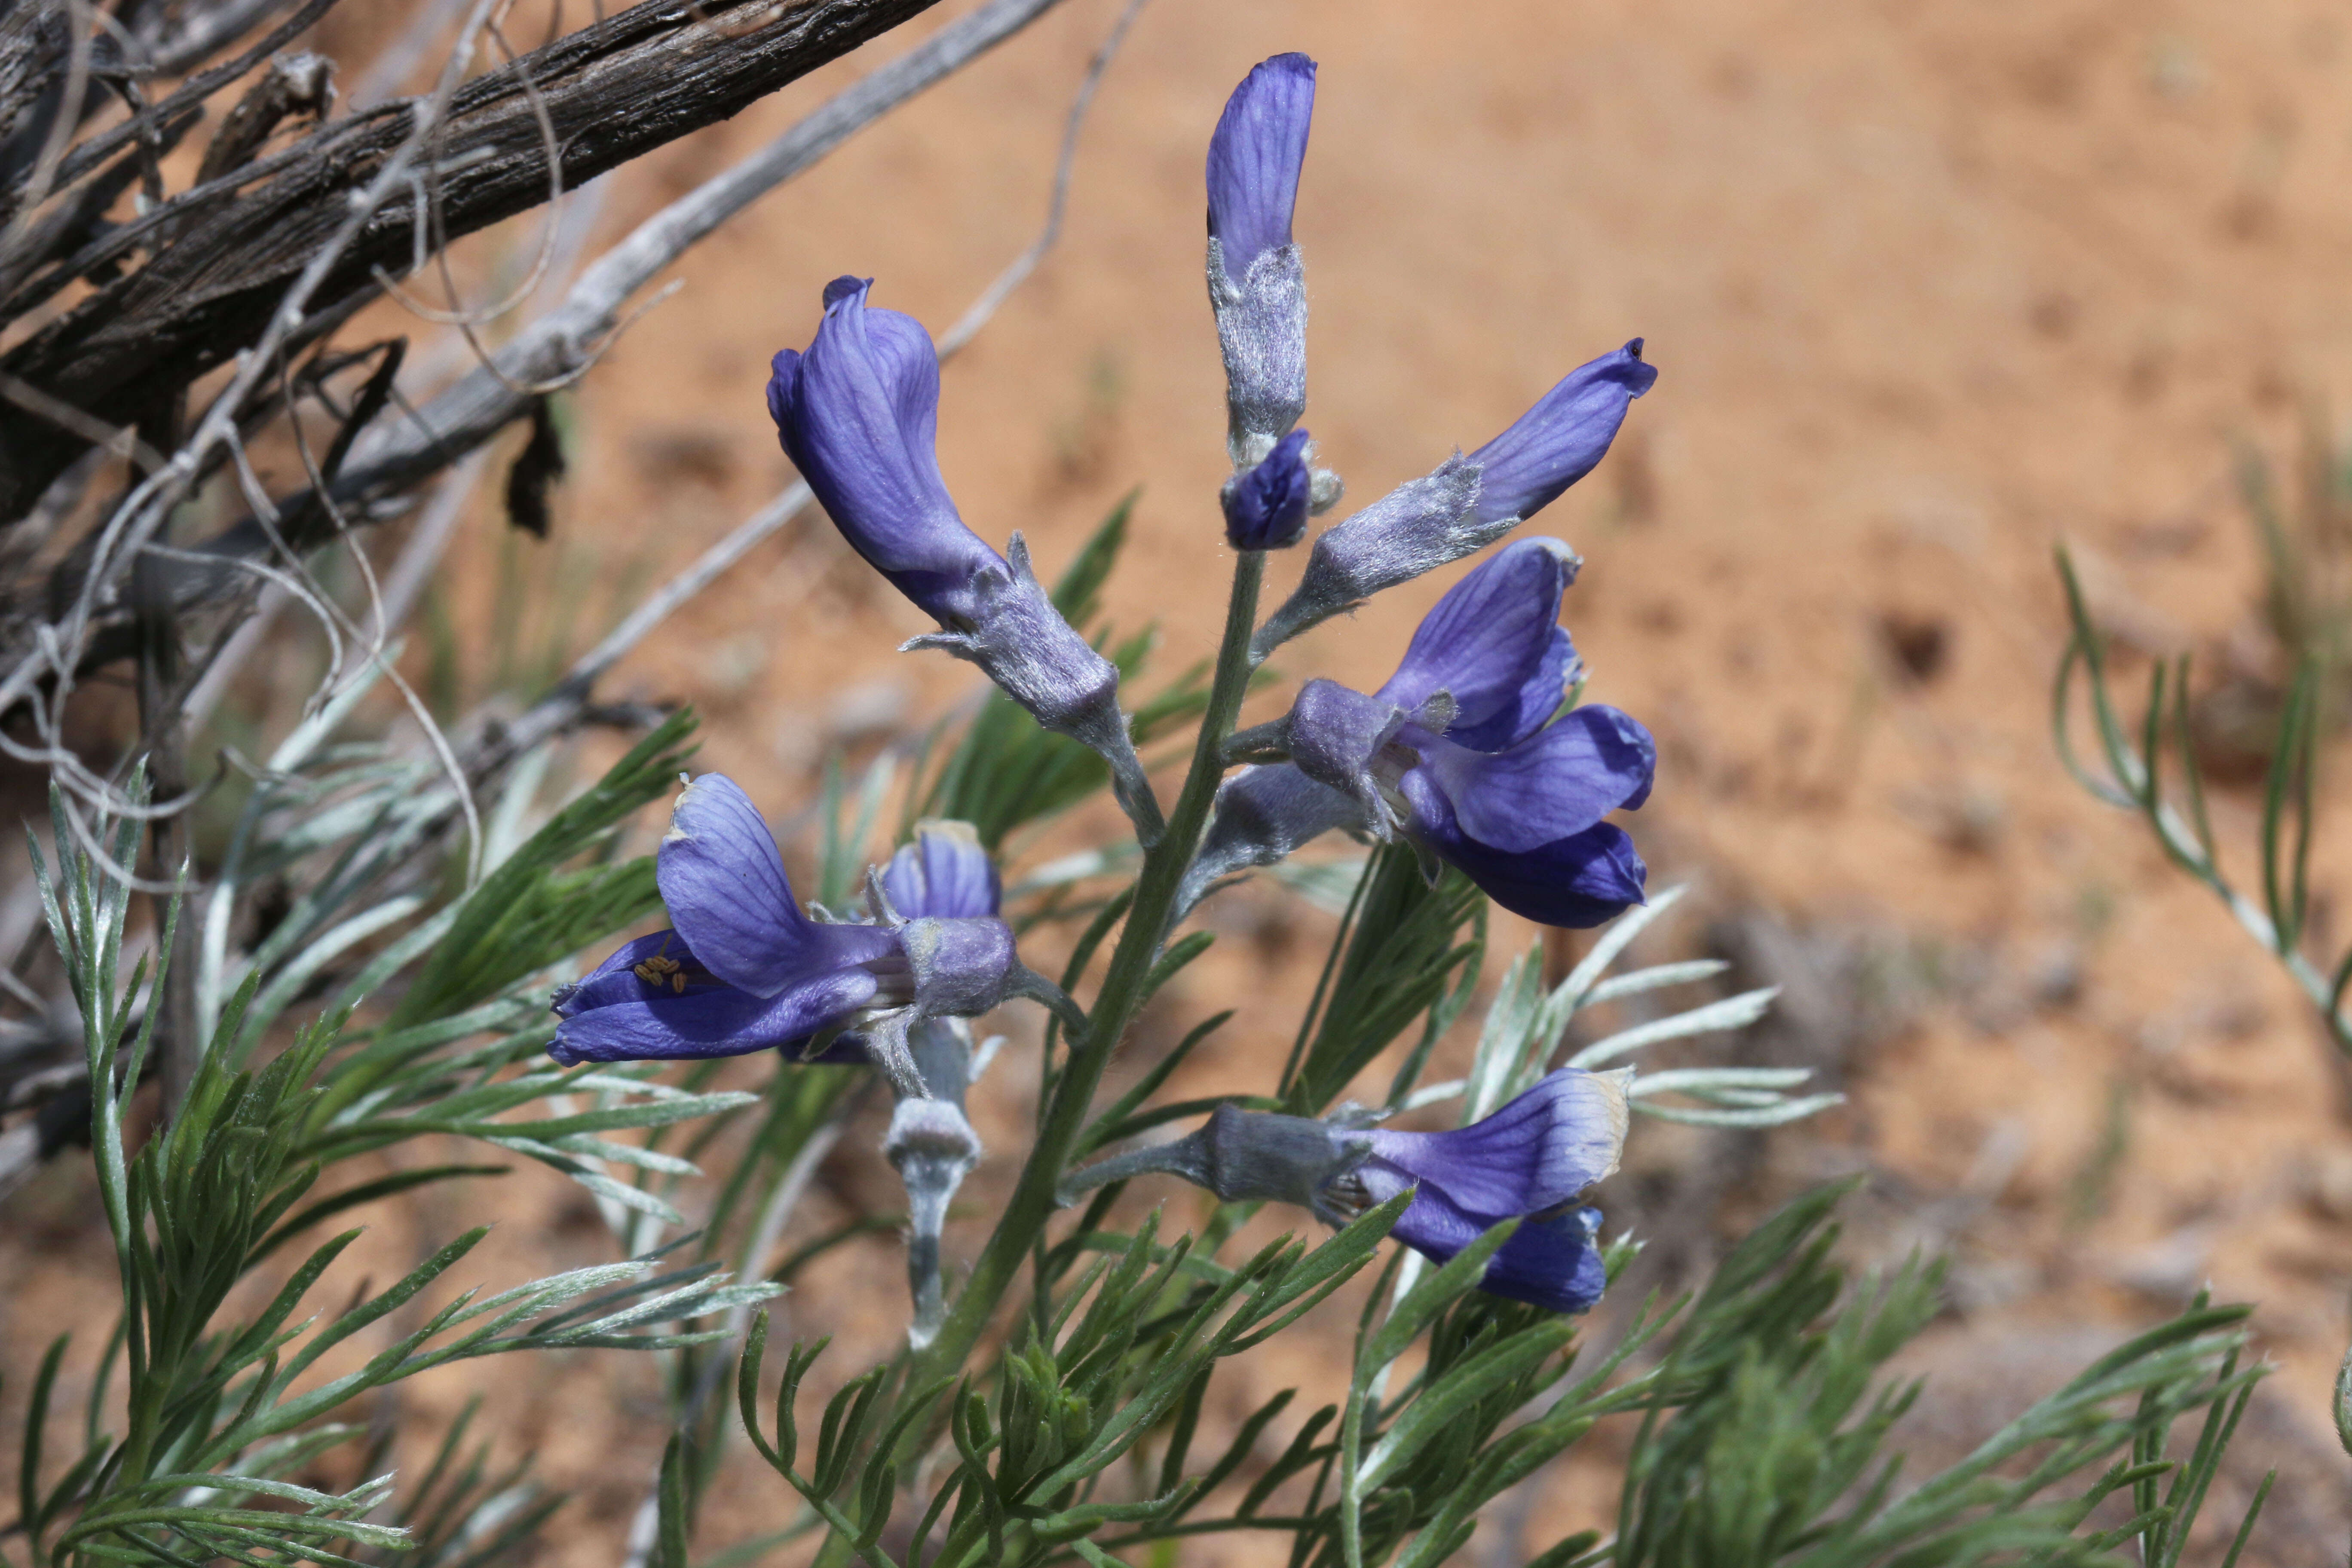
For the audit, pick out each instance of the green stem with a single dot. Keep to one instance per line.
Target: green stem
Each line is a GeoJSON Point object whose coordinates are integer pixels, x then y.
{"type": "Point", "coordinates": [1032, 1203]}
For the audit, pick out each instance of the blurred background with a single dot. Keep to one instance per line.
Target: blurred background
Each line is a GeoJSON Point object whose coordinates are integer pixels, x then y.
{"type": "Point", "coordinates": [1930, 289]}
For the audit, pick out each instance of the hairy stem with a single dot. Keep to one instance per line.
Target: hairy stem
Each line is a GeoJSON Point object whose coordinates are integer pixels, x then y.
{"type": "Point", "coordinates": [1033, 1199]}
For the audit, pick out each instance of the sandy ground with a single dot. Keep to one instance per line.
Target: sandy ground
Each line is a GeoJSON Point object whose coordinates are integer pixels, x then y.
{"type": "Point", "coordinates": [1930, 288]}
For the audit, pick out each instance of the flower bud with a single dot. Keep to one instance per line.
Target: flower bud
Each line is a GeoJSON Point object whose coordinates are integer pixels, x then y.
{"type": "Point", "coordinates": [1257, 284]}
{"type": "Point", "coordinates": [1265, 507]}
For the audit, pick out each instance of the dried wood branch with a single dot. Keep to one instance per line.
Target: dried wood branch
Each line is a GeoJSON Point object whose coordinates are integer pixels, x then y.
{"type": "Point", "coordinates": [565, 705]}
{"type": "Point", "coordinates": [398, 453]}
{"type": "Point", "coordinates": [228, 251]}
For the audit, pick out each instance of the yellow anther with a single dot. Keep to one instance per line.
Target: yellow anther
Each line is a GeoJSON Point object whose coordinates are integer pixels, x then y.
{"type": "Point", "coordinates": [657, 969]}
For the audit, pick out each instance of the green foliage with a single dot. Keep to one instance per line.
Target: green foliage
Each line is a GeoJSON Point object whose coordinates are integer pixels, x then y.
{"type": "Point", "coordinates": [220, 1410]}
{"type": "Point", "coordinates": [1762, 1437]}
{"type": "Point", "coordinates": [1773, 1451]}
{"type": "Point", "coordinates": [2136, 759]}
{"type": "Point", "coordinates": [841, 853]}
{"type": "Point", "coordinates": [2306, 540]}
{"type": "Point", "coordinates": [528, 912]}
{"type": "Point", "coordinates": [461, 1513]}
{"type": "Point", "coordinates": [1397, 951]}
{"type": "Point", "coordinates": [1133, 1343]}
{"type": "Point", "coordinates": [1006, 772]}
{"type": "Point", "coordinates": [1755, 1419]}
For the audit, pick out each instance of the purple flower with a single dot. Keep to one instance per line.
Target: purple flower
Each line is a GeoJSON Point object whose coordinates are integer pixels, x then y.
{"type": "Point", "coordinates": [1458, 753]}
{"type": "Point", "coordinates": [859, 416]}
{"type": "Point", "coordinates": [746, 968]}
{"type": "Point", "coordinates": [1265, 507]}
{"type": "Point", "coordinates": [1528, 1161]}
{"type": "Point", "coordinates": [1254, 161]}
{"type": "Point", "coordinates": [1495, 646]}
{"type": "Point", "coordinates": [1465, 503]}
{"type": "Point", "coordinates": [944, 872]}
{"type": "Point", "coordinates": [1563, 438]}
{"type": "Point", "coordinates": [1257, 284]}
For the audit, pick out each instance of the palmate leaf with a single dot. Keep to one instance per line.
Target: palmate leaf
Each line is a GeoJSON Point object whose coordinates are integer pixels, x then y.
{"type": "Point", "coordinates": [1763, 1443]}
{"type": "Point", "coordinates": [462, 1513]}
{"type": "Point", "coordinates": [1772, 1451]}
{"type": "Point", "coordinates": [218, 1416]}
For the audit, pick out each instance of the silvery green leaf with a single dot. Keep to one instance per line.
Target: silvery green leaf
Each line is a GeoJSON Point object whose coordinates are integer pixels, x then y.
{"type": "Point", "coordinates": [627, 1154]}
{"type": "Point", "coordinates": [289, 980]}
{"type": "Point", "coordinates": [509, 822]}
{"type": "Point", "coordinates": [1773, 1116]}
{"type": "Point", "coordinates": [1653, 977]}
{"type": "Point", "coordinates": [624, 1193]}
{"type": "Point", "coordinates": [314, 732]}
{"type": "Point", "coordinates": [1613, 939]}
{"type": "Point", "coordinates": [1690, 1081]}
{"type": "Point", "coordinates": [1433, 1094]}
{"type": "Point", "coordinates": [695, 1300]}
{"type": "Point", "coordinates": [1731, 1012]}
{"type": "Point", "coordinates": [1071, 869]}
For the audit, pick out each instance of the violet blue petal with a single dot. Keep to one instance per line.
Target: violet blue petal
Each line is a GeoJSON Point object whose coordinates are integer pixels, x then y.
{"type": "Point", "coordinates": [1535, 1154]}
{"type": "Point", "coordinates": [723, 1022]}
{"type": "Point", "coordinates": [859, 416]}
{"type": "Point", "coordinates": [1265, 507]}
{"type": "Point", "coordinates": [944, 873]}
{"type": "Point", "coordinates": [1253, 160]}
{"type": "Point", "coordinates": [1558, 783]}
{"type": "Point", "coordinates": [1494, 643]}
{"type": "Point", "coordinates": [1551, 1263]}
{"type": "Point", "coordinates": [1583, 880]}
{"type": "Point", "coordinates": [724, 883]}
{"type": "Point", "coordinates": [1562, 438]}
{"type": "Point", "coordinates": [858, 413]}
{"type": "Point", "coordinates": [1433, 1223]}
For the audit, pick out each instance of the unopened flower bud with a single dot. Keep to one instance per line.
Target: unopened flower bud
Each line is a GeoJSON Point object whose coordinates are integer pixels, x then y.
{"type": "Point", "coordinates": [1265, 507]}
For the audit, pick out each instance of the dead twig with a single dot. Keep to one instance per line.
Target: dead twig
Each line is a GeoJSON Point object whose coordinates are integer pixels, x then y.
{"type": "Point", "coordinates": [396, 454]}
{"type": "Point", "coordinates": [613, 91]}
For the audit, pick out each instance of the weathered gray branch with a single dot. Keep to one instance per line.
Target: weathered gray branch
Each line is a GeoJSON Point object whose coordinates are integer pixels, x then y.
{"type": "Point", "coordinates": [614, 91]}
{"type": "Point", "coordinates": [401, 451]}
